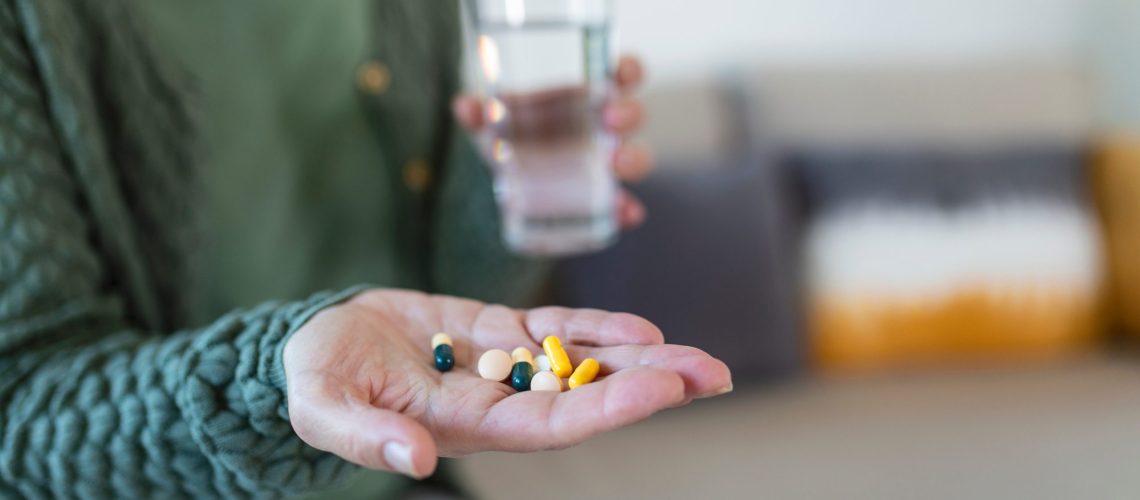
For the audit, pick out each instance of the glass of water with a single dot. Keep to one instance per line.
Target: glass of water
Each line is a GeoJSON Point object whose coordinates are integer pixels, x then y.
{"type": "Point", "coordinates": [544, 67]}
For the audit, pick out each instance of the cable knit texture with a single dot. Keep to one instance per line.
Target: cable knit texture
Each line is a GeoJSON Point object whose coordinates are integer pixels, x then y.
{"type": "Point", "coordinates": [95, 400]}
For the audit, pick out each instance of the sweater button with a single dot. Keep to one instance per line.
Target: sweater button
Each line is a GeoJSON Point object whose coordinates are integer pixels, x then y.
{"type": "Point", "coordinates": [374, 78]}
{"type": "Point", "coordinates": [417, 175]}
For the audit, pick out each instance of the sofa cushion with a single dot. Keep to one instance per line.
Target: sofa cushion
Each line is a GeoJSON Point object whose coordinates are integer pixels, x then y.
{"type": "Point", "coordinates": [713, 266]}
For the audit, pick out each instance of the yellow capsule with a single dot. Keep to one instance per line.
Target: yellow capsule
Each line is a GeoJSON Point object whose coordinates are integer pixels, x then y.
{"type": "Point", "coordinates": [440, 338]}
{"type": "Point", "coordinates": [585, 373]}
{"type": "Point", "coordinates": [522, 354]}
{"type": "Point", "coordinates": [559, 361]}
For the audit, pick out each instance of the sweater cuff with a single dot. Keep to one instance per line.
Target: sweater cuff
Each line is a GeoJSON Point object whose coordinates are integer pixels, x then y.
{"type": "Point", "coordinates": [295, 318]}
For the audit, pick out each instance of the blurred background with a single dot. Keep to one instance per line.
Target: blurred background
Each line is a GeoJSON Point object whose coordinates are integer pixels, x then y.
{"type": "Point", "coordinates": [912, 229]}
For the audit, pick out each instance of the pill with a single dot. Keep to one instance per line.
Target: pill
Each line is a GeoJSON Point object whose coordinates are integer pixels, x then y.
{"type": "Point", "coordinates": [444, 357]}
{"type": "Point", "coordinates": [585, 373]}
{"type": "Point", "coordinates": [542, 363]}
{"type": "Point", "coordinates": [440, 338]}
{"type": "Point", "coordinates": [522, 354]}
{"type": "Point", "coordinates": [521, 374]}
{"type": "Point", "coordinates": [559, 361]}
{"type": "Point", "coordinates": [546, 381]}
{"type": "Point", "coordinates": [495, 365]}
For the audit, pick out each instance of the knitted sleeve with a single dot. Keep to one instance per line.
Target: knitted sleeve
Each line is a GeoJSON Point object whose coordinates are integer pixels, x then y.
{"type": "Point", "coordinates": [92, 406]}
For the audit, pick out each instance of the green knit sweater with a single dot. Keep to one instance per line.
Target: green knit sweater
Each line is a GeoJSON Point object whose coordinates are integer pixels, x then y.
{"type": "Point", "coordinates": [108, 387]}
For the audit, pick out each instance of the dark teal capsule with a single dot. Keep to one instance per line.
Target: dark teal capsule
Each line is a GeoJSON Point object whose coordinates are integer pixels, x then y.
{"type": "Point", "coordinates": [444, 357]}
{"type": "Point", "coordinates": [521, 374]}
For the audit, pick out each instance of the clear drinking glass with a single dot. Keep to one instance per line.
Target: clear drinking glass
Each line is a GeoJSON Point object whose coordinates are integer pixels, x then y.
{"type": "Point", "coordinates": [544, 67]}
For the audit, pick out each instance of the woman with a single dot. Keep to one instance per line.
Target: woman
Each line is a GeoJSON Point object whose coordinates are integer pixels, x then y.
{"type": "Point", "coordinates": [139, 358]}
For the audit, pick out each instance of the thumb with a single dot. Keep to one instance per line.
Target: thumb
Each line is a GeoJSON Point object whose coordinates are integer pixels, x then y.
{"type": "Point", "coordinates": [366, 435]}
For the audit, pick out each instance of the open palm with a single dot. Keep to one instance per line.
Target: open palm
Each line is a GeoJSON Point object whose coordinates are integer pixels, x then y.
{"type": "Point", "coordinates": [361, 383]}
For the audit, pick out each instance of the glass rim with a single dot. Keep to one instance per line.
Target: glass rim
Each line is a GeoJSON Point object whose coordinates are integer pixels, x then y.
{"type": "Point", "coordinates": [521, 13]}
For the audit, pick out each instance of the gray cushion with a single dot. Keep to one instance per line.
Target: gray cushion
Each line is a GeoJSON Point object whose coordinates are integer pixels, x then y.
{"type": "Point", "coordinates": [713, 266]}
{"type": "Point", "coordinates": [835, 179]}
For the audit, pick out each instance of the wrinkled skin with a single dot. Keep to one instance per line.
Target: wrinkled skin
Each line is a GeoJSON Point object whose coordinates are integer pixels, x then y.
{"type": "Point", "coordinates": [360, 375]}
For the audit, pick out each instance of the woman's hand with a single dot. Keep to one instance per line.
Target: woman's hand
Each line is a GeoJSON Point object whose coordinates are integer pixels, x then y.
{"type": "Point", "coordinates": [362, 384]}
{"type": "Point", "coordinates": [632, 161]}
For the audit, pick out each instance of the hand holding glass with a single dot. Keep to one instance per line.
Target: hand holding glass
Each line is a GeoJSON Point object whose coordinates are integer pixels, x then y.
{"type": "Point", "coordinates": [545, 67]}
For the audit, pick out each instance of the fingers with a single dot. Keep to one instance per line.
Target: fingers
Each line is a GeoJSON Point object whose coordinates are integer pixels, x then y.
{"type": "Point", "coordinates": [591, 327]}
{"type": "Point", "coordinates": [630, 73]}
{"type": "Point", "coordinates": [630, 211]}
{"type": "Point", "coordinates": [533, 421]}
{"type": "Point", "coordinates": [627, 113]}
{"type": "Point", "coordinates": [363, 434]}
{"type": "Point", "coordinates": [633, 162]}
{"type": "Point", "coordinates": [499, 327]}
{"type": "Point", "coordinates": [468, 112]}
{"type": "Point", "coordinates": [704, 375]}
{"type": "Point", "coordinates": [624, 116]}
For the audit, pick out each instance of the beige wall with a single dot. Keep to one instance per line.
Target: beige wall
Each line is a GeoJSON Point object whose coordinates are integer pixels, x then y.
{"type": "Point", "coordinates": [682, 39]}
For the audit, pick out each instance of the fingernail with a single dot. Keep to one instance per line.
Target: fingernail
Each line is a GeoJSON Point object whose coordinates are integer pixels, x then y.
{"type": "Point", "coordinates": [719, 392]}
{"type": "Point", "coordinates": [399, 458]}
